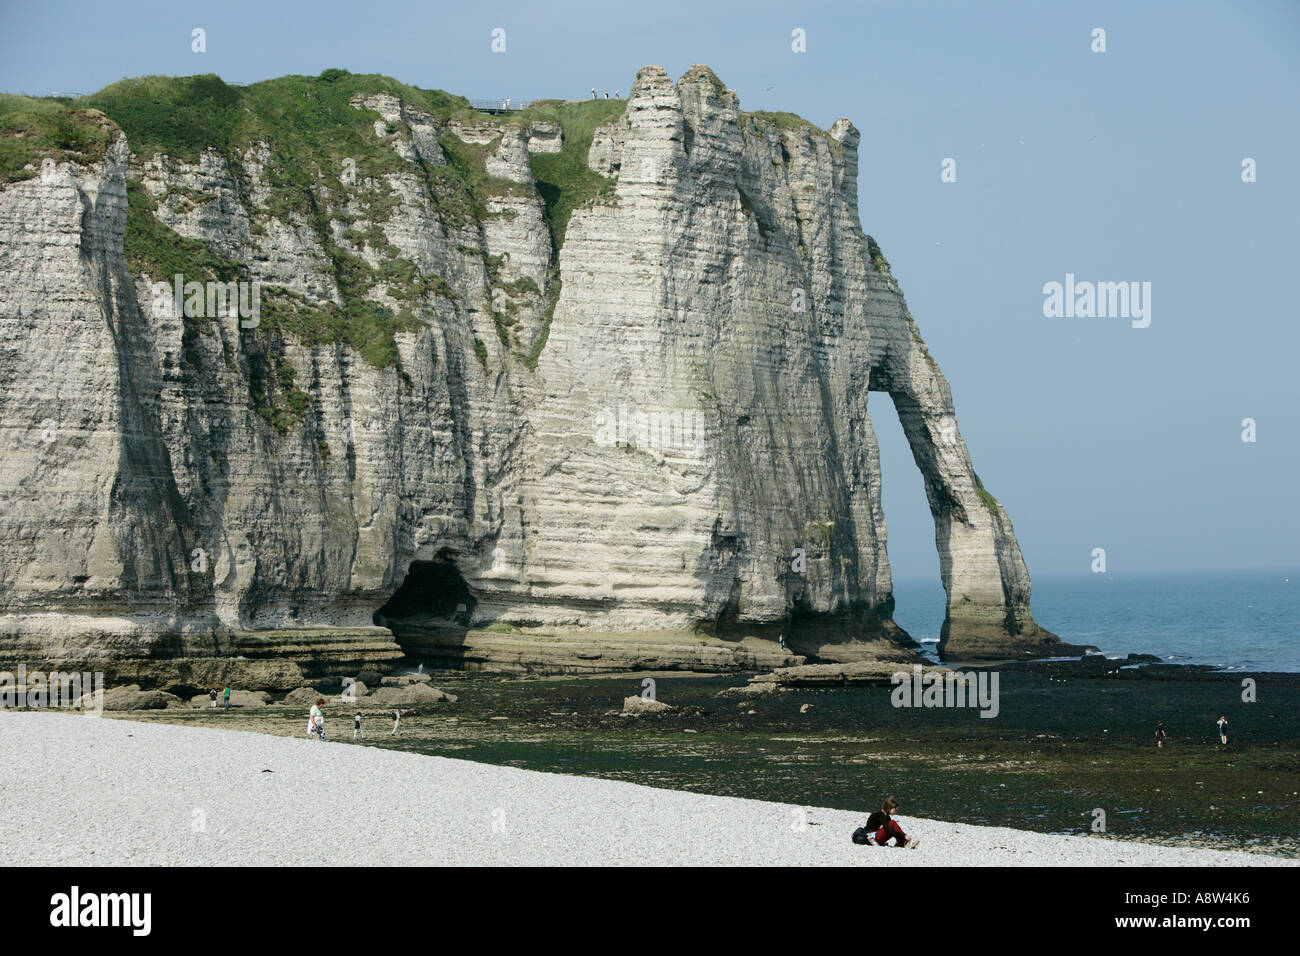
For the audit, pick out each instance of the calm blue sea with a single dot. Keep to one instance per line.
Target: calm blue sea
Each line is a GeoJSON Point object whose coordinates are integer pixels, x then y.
{"type": "Point", "coordinates": [1238, 620]}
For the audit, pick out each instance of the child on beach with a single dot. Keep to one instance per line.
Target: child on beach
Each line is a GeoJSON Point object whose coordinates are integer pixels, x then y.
{"type": "Point", "coordinates": [356, 729]}
{"type": "Point", "coordinates": [316, 720]}
{"type": "Point", "coordinates": [1161, 736]}
{"type": "Point", "coordinates": [1223, 729]}
{"type": "Point", "coordinates": [882, 827]}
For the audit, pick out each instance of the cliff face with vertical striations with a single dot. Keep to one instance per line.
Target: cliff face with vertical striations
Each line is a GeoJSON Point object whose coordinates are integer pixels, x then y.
{"type": "Point", "coordinates": [581, 386]}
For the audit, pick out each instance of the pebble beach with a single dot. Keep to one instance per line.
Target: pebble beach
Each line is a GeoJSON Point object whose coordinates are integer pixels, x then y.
{"type": "Point", "coordinates": [108, 792]}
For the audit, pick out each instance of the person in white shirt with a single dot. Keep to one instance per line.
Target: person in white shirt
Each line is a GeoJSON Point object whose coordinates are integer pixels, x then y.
{"type": "Point", "coordinates": [397, 719]}
{"type": "Point", "coordinates": [316, 720]}
{"type": "Point", "coordinates": [356, 729]}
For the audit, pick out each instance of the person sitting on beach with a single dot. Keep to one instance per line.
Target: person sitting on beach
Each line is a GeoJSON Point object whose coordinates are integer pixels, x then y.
{"type": "Point", "coordinates": [1223, 730]}
{"type": "Point", "coordinates": [882, 827]}
{"type": "Point", "coordinates": [1161, 736]}
{"type": "Point", "coordinates": [316, 720]}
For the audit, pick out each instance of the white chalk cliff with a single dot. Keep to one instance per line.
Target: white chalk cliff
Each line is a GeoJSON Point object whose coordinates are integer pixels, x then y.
{"type": "Point", "coordinates": [647, 432]}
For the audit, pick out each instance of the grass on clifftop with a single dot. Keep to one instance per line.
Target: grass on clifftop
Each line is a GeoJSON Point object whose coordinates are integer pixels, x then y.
{"type": "Point", "coordinates": [183, 116]}
{"type": "Point", "coordinates": [564, 179]}
{"type": "Point", "coordinates": [781, 120]}
{"type": "Point", "coordinates": [33, 129]}
{"type": "Point", "coordinates": [312, 134]}
{"type": "Point", "coordinates": [788, 122]}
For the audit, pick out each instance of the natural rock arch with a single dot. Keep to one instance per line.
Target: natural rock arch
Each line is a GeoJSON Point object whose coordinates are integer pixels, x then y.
{"type": "Point", "coordinates": [980, 565]}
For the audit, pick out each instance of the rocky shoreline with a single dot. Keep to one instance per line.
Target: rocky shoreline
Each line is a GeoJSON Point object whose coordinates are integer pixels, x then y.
{"type": "Point", "coordinates": [1068, 737]}
{"type": "Point", "coordinates": [398, 681]}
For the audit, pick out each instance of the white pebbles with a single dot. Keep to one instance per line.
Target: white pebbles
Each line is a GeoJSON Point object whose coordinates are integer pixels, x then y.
{"type": "Point", "coordinates": [94, 791]}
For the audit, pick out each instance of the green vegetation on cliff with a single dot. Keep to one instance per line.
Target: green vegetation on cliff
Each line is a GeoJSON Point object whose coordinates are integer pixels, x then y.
{"type": "Point", "coordinates": [154, 249]}
{"type": "Point", "coordinates": [32, 130]}
{"type": "Point", "coordinates": [990, 502]}
{"type": "Point", "coordinates": [564, 179]}
{"type": "Point", "coordinates": [544, 333]}
{"type": "Point", "coordinates": [324, 162]}
{"type": "Point", "coordinates": [365, 326]}
{"type": "Point", "coordinates": [298, 115]}
{"type": "Point", "coordinates": [781, 120]}
{"type": "Point", "coordinates": [877, 257]}
{"type": "Point", "coordinates": [784, 122]}
{"type": "Point", "coordinates": [320, 159]}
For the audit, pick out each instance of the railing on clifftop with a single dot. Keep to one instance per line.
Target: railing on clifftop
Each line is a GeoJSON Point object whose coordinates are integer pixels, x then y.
{"type": "Point", "coordinates": [495, 106]}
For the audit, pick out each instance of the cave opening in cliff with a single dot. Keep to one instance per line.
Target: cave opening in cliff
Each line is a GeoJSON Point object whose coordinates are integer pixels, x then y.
{"type": "Point", "coordinates": [433, 593]}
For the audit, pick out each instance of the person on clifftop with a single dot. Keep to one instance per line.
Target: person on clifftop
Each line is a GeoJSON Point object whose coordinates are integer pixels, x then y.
{"type": "Point", "coordinates": [1161, 736]}
{"type": "Point", "coordinates": [882, 827]}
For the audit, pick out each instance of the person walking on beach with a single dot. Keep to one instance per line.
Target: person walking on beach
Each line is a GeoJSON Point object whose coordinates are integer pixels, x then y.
{"type": "Point", "coordinates": [356, 727]}
{"type": "Point", "coordinates": [397, 719]}
{"type": "Point", "coordinates": [316, 720]}
{"type": "Point", "coordinates": [881, 827]}
{"type": "Point", "coordinates": [1223, 730]}
{"type": "Point", "coordinates": [213, 697]}
{"type": "Point", "coordinates": [227, 700]}
{"type": "Point", "coordinates": [1161, 736]}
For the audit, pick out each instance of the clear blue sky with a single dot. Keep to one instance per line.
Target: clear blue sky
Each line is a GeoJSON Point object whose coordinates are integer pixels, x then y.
{"type": "Point", "coordinates": [1117, 166]}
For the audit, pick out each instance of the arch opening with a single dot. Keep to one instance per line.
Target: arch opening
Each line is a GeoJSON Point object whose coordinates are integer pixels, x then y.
{"type": "Point", "coordinates": [920, 601]}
